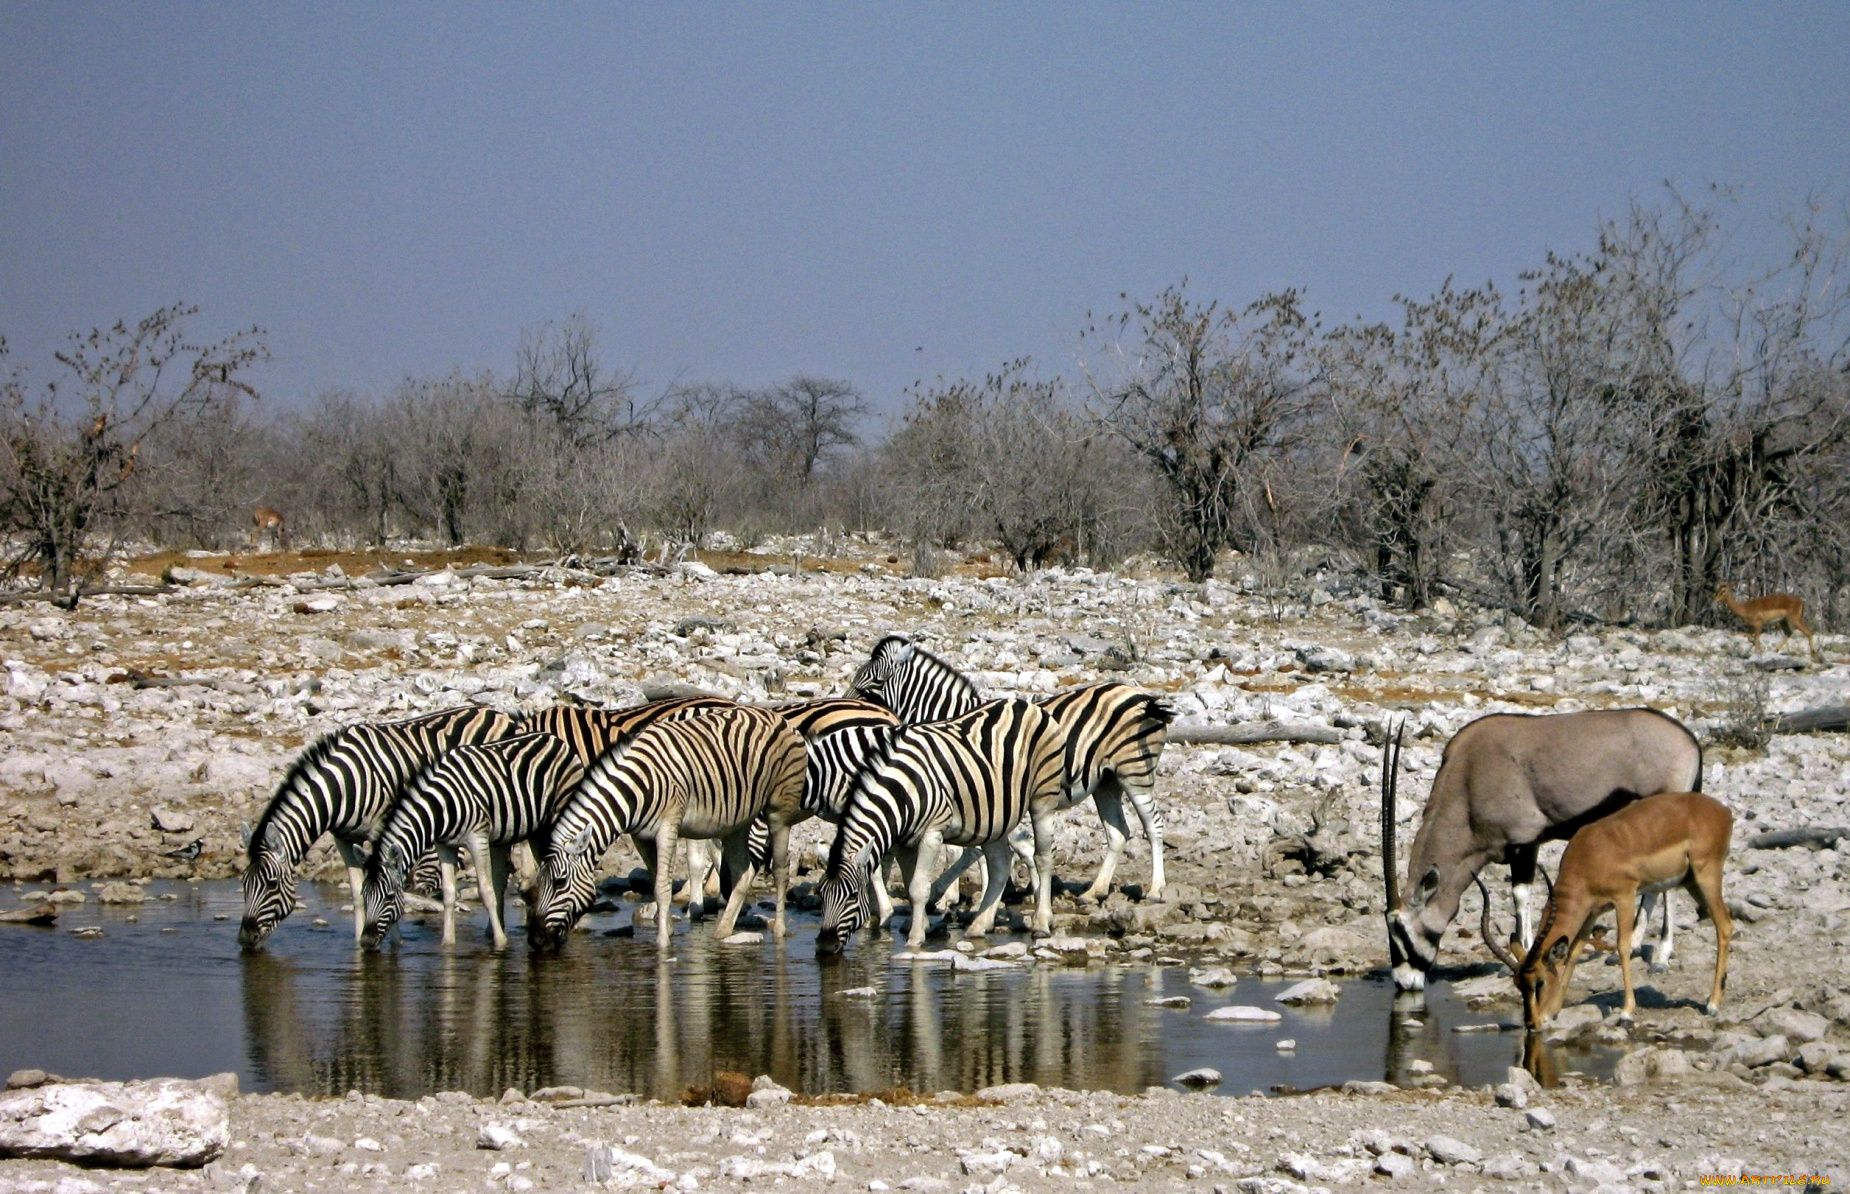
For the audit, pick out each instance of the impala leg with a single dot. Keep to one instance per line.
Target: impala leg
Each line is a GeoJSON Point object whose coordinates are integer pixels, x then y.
{"type": "Point", "coordinates": [996, 857]}
{"type": "Point", "coordinates": [1705, 887]}
{"type": "Point", "coordinates": [355, 858]}
{"type": "Point", "coordinates": [1110, 803]}
{"type": "Point", "coordinates": [446, 866]}
{"type": "Point", "coordinates": [1626, 912]}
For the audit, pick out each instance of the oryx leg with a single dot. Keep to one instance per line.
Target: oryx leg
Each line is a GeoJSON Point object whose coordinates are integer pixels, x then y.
{"type": "Point", "coordinates": [1110, 802]}
{"type": "Point", "coordinates": [996, 857]}
{"type": "Point", "coordinates": [1522, 889]}
{"type": "Point", "coordinates": [354, 855]}
{"type": "Point", "coordinates": [446, 865]}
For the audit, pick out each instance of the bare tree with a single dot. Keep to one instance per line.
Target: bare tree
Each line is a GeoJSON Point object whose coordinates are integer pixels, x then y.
{"type": "Point", "coordinates": [1216, 402]}
{"type": "Point", "coordinates": [559, 375]}
{"type": "Point", "coordinates": [796, 427]}
{"type": "Point", "coordinates": [71, 453]}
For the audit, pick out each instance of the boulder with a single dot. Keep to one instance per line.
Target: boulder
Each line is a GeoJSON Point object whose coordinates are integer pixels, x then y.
{"type": "Point", "coordinates": [1447, 1151]}
{"type": "Point", "coordinates": [1212, 976]}
{"type": "Point", "coordinates": [1395, 1165]}
{"type": "Point", "coordinates": [1238, 1014]}
{"type": "Point", "coordinates": [1310, 991]}
{"type": "Point", "coordinates": [121, 893]}
{"type": "Point", "coordinates": [1202, 1078]}
{"type": "Point", "coordinates": [1325, 659]}
{"type": "Point", "coordinates": [1009, 1092]}
{"type": "Point", "coordinates": [166, 1121]}
{"type": "Point", "coordinates": [1798, 1027]}
{"type": "Point", "coordinates": [1572, 1019]}
{"type": "Point", "coordinates": [1754, 1054]}
{"type": "Point", "coordinates": [767, 1093]}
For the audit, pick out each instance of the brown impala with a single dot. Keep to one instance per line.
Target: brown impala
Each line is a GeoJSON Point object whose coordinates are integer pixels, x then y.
{"type": "Point", "coordinates": [1782, 609]}
{"type": "Point", "coordinates": [1672, 839]}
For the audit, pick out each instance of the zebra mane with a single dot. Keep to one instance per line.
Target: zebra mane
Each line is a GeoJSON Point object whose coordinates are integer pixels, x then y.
{"type": "Point", "coordinates": [313, 755]}
{"type": "Point", "coordinates": [881, 753]}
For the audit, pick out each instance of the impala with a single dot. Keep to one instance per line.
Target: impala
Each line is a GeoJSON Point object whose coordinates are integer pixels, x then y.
{"type": "Point", "coordinates": [1782, 609]}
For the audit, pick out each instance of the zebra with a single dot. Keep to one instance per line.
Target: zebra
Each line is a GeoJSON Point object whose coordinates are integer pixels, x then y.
{"type": "Point", "coordinates": [592, 731]}
{"type": "Point", "coordinates": [704, 776]}
{"type": "Point", "coordinates": [964, 782]}
{"type": "Point", "coordinates": [343, 784]}
{"type": "Point", "coordinates": [1114, 738]}
{"type": "Point", "coordinates": [840, 734]}
{"type": "Point", "coordinates": [485, 796]}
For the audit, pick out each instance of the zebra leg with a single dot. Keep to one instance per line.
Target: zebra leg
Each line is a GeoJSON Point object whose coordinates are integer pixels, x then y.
{"type": "Point", "coordinates": [1647, 903]}
{"type": "Point", "coordinates": [1110, 802]}
{"type": "Point", "coordinates": [780, 868]}
{"type": "Point", "coordinates": [355, 858]}
{"type": "Point", "coordinates": [737, 850]}
{"type": "Point", "coordinates": [487, 885]}
{"type": "Point", "coordinates": [446, 863]}
{"type": "Point", "coordinates": [1152, 821]}
{"type": "Point", "coordinates": [883, 899]}
{"type": "Point", "coordinates": [1021, 844]}
{"type": "Point", "coordinates": [667, 845]}
{"type": "Point", "coordinates": [996, 856]}
{"type": "Point", "coordinates": [1043, 861]}
{"type": "Point", "coordinates": [918, 886]}
{"type": "Point", "coordinates": [943, 885]}
{"type": "Point", "coordinates": [1667, 940]}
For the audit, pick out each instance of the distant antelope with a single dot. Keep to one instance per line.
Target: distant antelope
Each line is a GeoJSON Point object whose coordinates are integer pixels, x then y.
{"type": "Point", "coordinates": [264, 521]}
{"type": "Point", "coordinates": [1775, 608]}
{"type": "Point", "coordinates": [1672, 839]}
{"type": "Point", "coordinates": [1506, 784]}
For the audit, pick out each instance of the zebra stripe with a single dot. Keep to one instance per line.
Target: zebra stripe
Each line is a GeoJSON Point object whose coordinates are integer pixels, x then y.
{"type": "Point", "coordinates": [703, 776]}
{"type": "Point", "coordinates": [592, 731]}
{"type": "Point", "coordinates": [963, 782]}
{"type": "Point", "coordinates": [1115, 735]}
{"type": "Point", "coordinates": [913, 682]}
{"type": "Point", "coordinates": [342, 785]}
{"type": "Point", "coordinates": [484, 796]}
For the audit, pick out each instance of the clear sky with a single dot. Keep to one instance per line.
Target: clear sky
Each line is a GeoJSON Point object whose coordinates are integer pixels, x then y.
{"type": "Point", "coordinates": [874, 192]}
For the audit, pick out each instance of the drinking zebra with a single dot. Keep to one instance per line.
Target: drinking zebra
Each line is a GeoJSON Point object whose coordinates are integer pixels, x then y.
{"type": "Point", "coordinates": [704, 776]}
{"type": "Point", "coordinates": [1114, 738]}
{"type": "Point", "coordinates": [840, 735]}
{"type": "Point", "coordinates": [342, 785]}
{"type": "Point", "coordinates": [592, 731]}
{"type": "Point", "coordinates": [484, 796]}
{"type": "Point", "coordinates": [962, 782]}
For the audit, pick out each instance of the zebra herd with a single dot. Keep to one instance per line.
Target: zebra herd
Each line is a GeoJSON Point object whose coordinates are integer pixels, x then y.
{"type": "Point", "coordinates": [913, 761]}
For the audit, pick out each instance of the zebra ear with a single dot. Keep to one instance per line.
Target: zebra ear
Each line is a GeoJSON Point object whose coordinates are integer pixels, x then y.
{"type": "Point", "coordinates": [903, 656]}
{"type": "Point", "coordinates": [580, 845]}
{"type": "Point", "coordinates": [244, 835]}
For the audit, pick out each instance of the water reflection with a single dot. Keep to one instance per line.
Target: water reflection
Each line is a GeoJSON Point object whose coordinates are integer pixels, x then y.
{"type": "Point", "coordinates": [607, 1013]}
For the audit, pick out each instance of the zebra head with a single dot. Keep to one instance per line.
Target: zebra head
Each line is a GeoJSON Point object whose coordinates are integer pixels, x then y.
{"type": "Point", "coordinates": [846, 895]}
{"type": "Point", "coordinates": [565, 887]}
{"type": "Point", "coordinates": [383, 897]}
{"type": "Point", "coordinates": [269, 895]}
{"type": "Point", "coordinates": [876, 679]}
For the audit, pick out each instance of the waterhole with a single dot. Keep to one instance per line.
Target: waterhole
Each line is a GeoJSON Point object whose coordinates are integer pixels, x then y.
{"type": "Point", "coordinates": [170, 994]}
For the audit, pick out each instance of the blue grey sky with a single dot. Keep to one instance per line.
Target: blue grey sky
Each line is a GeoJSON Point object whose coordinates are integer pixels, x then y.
{"type": "Point", "coordinates": [874, 192]}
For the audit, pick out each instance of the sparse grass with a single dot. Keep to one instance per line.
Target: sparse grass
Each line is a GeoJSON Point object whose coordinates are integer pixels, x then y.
{"type": "Point", "coordinates": [1741, 702]}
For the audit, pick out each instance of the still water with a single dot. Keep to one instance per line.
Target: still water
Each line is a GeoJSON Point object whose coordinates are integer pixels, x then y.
{"type": "Point", "coordinates": [171, 995]}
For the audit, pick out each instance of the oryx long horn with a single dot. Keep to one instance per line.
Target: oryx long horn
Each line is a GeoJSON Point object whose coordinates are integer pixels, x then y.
{"type": "Point", "coordinates": [1390, 780]}
{"type": "Point", "coordinates": [1490, 939]}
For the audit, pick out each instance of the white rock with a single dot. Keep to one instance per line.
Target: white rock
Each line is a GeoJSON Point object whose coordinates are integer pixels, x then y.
{"type": "Point", "coordinates": [162, 1122]}
{"type": "Point", "coordinates": [1009, 1092]}
{"type": "Point", "coordinates": [497, 1137]}
{"type": "Point", "coordinates": [1448, 1151]}
{"type": "Point", "coordinates": [1240, 1014]}
{"type": "Point", "coordinates": [767, 1093]}
{"type": "Point", "coordinates": [1205, 1076]}
{"type": "Point", "coordinates": [609, 1164]}
{"type": "Point", "coordinates": [1394, 1165]}
{"type": "Point", "coordinates": [1310, 991]}
{"type": "Point", "coordinates": [1212, 976]}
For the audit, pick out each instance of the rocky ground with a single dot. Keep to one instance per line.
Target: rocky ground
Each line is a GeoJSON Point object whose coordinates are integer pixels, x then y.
{"type": "Point", "coordinates": [106, 764]}
{"type": "Point", "coordinates": [1664, 1136]}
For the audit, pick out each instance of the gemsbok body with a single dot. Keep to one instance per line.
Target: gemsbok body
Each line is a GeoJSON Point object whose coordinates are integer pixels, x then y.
{"type": "Point", "coordinates": [704, 776]}
{"type": "Point", "coordinates": [1115, 735]}
{"type": "Point", "coordinates": [1672, 839]}
{"type": "Point", "coordinates": [1774, 609]}
{"type": "Point", "coordinates": [343, 785]}
{"type": "Point", "coordinates": [483, 798]}
{"type": "Point", "coordinates": [1508, 783]}
{"type": "Point", "coordinates": [962, 782]}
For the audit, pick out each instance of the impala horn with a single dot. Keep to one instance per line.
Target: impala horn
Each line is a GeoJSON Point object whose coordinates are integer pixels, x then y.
{"type": "Point", "coordinates": [1490, 939]}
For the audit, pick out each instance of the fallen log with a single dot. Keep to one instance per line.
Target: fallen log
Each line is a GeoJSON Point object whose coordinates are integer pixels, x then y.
{"type": "Point", "coordinates": [1825, 717]}
{"type": "Point", "coordinates": [140, 680]}
{"type": "Point", "coordinates": [1192, 733]}
{"type": "Point", "coordinates": [20, 596]}
{"type": "Point", "coordinates": [1812, 837]}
